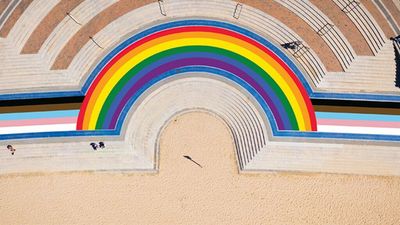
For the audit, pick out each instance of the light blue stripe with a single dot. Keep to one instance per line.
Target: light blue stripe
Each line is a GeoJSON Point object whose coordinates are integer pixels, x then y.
{"type": "Point", "coordinates": [39, 115]}
{"type": "Point", "coordinates": [275, 49]}
{"type": "Point", "coordinates": [357, 116]}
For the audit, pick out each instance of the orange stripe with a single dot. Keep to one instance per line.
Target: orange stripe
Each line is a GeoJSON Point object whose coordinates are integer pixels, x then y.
{"type": "Point", "coordinates": [239, 42]}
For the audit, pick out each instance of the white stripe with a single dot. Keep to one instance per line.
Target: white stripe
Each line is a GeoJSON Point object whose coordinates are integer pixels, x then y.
{"type": "Point", "coordinates": [358, 130]}
{"type": "Point", "coordinates": [321, 128]}
{"type": "Point", "coordinates": [37, 128]}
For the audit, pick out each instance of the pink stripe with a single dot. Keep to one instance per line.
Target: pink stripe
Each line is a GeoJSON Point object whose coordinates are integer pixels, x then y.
{"type": "Point", "coordinates": [12, 123]}
{"type": "Point", "coordinates": [359, 123]}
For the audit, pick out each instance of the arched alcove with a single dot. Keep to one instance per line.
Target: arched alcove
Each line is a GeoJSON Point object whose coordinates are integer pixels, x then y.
{"type": "Point", "coordinates": [243, 116]}
{"type": "Point", "coordinates": [196, 144]}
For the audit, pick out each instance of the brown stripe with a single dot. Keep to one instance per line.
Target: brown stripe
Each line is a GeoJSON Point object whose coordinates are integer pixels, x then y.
{"type": "Point", "coordinates": [48, 24]}
{"type": "Point", "coordinates": [353, 109]}
{"type": "Point", "coordinates": [96, 24]}
{"type": "Point", "coordinates": [38, 108]}
{"type": "Point", "coordinates": [14, 17]}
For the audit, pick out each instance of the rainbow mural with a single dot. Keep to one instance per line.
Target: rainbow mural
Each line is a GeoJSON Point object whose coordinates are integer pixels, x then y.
{"type": "Point", "coordinates": [196, 43]}
{"type": "Point", "coordinates": [217, 48]}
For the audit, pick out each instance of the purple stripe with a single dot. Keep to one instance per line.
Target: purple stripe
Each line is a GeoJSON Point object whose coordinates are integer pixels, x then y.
{"type": "Point", "coordinates": [247, 74]}
{"type": "Point", "coordinates": [134, 85]}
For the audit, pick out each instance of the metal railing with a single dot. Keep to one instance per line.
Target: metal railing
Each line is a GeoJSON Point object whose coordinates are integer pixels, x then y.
{"type": "Point", "coordinates": [324, 28]}
{"type": "Point", "coordinates": [348, 7]}
{"type": "Point", "coordinates": [364, 22]}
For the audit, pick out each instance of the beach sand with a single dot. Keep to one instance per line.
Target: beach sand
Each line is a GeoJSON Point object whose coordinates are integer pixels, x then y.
{"type": "Point", "coordinates": [184, 193]}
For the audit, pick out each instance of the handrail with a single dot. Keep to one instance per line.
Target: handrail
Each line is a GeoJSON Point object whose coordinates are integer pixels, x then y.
{"type": "Point", "coordinates": [324, 28]}
{"type": "Point", "coordinates": [303, 55]}
{"type": "Point", "coordinates": [352, 5]}
{"type": "Point", "coordinates": [238, 10]}
{"type": "Point", "coordinates": [281, 34]}
{"type": "Point", "coordinates": [339, 37]}
{"type": "Point", "coordinates": [162, 7]}
{"type": "Point", "coordinates": [364, 23]}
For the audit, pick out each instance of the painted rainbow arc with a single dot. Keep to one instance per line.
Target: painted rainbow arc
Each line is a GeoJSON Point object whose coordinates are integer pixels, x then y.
{"type": "Point", "coordinates": [188, 43]}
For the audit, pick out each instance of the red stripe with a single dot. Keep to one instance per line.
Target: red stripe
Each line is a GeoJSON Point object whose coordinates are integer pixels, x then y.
{"type": "Point", "coordinates": [191, 29]}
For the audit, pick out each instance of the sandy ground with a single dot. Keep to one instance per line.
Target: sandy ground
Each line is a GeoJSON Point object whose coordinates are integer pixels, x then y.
{"type": "Point", "coordinates": [184, 193]}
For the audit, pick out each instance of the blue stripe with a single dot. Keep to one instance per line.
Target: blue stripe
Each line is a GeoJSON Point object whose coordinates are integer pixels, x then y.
{"type": "Point", "coordinates": [276, 50]}
{"type": "Point", "coordinates": [265, 42]}
{"type": "Point", "coordinates": [39, 115]}
{"type": "Point", "coordinates": [272, 47]}
{"type": "Point", "coordinates": [211, 70]}
{"type": "Point", "coordinates": [61, 94]}
{"type": "Point", "coordinates": [281, 113]}
{"type": "Point", "coordinates": [344, 136]}
{"type": "Point", "coordinates": [357, 116]}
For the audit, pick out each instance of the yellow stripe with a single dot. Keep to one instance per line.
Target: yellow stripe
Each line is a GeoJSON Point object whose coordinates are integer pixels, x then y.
{"type": "Point", "coordinates": [200, 42]}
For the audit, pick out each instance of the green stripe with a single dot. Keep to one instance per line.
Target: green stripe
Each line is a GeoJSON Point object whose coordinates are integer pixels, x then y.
{"type": "Point", "coordinates": [158, 56]}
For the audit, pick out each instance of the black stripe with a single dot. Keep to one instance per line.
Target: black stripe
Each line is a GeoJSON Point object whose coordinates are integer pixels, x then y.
{"type": "Point", "coordinates": [42, 101]}
{"type": "Point", "coordinates": [355, 103]}
{"type": "Point", "coordinates": [316, 102]}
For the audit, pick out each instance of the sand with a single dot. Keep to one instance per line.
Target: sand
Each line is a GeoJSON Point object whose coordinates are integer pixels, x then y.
{"type": "Point", "coordinates": [184, 193]}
